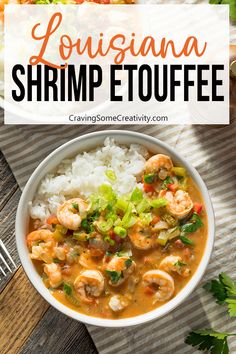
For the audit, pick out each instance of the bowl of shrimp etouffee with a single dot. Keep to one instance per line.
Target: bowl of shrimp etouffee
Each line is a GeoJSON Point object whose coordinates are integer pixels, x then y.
{"type": "Point", "coordinates": [115, 228]}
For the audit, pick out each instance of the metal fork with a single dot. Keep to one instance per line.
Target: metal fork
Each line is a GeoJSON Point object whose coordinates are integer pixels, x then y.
{"type": "Point", "coordinates": [6, 261]}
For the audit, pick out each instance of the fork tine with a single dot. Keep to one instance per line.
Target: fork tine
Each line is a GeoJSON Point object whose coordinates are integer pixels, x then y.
{"type": "Point", "coordinates": [3, 272]}
{"type": "Point", "coordinates": [7, 253]}
{"type": "Point", "coordinates": [3, 260]}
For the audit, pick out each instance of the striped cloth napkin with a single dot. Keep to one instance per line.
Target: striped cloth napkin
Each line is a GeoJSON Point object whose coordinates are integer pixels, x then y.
{"type": "Point", "coordinates": [212, 151]}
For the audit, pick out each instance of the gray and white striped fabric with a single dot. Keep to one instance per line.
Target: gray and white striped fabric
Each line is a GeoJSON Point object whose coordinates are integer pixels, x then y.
{"type": "Point", "coordinates": [212, 151]}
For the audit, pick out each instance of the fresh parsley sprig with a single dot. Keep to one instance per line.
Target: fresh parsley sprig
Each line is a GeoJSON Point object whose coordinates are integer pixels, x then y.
{"type": "Point", "coordinates": [208, 339]}
{"type": "Point", "coordinates": [224, 290]}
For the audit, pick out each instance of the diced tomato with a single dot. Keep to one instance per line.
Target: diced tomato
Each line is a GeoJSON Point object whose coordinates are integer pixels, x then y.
{"type": "Point", "coordinates": [187, 253]}
{"type": "Point", "coordinates": [52, 219]}
{"type": "Point", "coordinates": [112, 234]}
{"type": "Point", "coordinates": [105, 2]}
{"type": "Point", "coordinates": [197, 207]}
{"type": "Point", "coordinates": [114, 237]}
{"type": "Point", "coordinates": [79, 1]}
{"type": "Point", "coordinates": [149, 291]}
{"type": "Point", "coordinates": [155, 220]}
{"type": "Point", "coordinates": [179, 244]}
{"type": "Point", "coordinates": [148, 188]}
{"type": "Point", "coordinates": [172, 187]}
{"type": "Point", "coordinates": [96, 252]}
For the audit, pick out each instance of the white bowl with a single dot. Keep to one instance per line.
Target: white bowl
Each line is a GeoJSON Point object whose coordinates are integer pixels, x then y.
{"type": "Point", "coordinates": [85, 143]}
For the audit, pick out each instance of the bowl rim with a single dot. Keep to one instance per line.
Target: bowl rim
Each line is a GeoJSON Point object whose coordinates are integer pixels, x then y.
{"type": "Point", "coordinates": [151, 315]}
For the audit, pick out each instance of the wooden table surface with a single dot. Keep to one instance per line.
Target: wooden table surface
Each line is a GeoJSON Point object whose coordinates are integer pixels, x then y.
{"type": "Point", "coordinates": [28, 324]}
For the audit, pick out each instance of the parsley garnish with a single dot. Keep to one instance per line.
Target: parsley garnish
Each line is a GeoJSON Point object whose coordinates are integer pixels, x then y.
{"type": "Point", "coordinates": [208, 339]}
{"type": "Point", "coordinates": [186, 241]}
{"type": "Point", "coordinates": [192, 225]}
{"type": "Point", "coordinates": [224, 290]}
{"type": "Point", "coordinates": [167, 181]}
{"type": "Point", "coordinates": [67, 289]}
{"type": "Point", "coordinates": [128, 262]}
{"type": "Point", "coordinates": [180, 264]}
{"type": "Point", "coordinates": [114, 276]}
{"type": "Point", "coordinates": [75, 206]}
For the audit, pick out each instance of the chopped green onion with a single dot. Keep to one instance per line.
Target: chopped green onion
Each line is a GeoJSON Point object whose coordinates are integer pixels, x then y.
{"type": "Point", "coordinates": [104, 226]}
{"type": "Point", "coordinates": [109, 240]}
{"type": "Point", "coordinates": [158, 203]}
{"type": "Point", "coordinates": [136, 195]}
{"type": "Point", "coordinates": [186, 240]}
{"type": "Point", "coordinates": [179, 171]}
{"type": "Point", "coordinates": [129, 221]}
{"type": "Point", "coordinates": [120, 231]}
{"type": "Point", "coordinates": [118, 222]}
{"type": "Point", "coordinates": [56, 260]}
{"type": "Point", "coordinates": [143, 206]}
{"type": "Point", "coordinates": [150, 178]}
{"type": "Point", "coordinates": [146, 218]}
{"type": "Point", "coordinates": [111, 175]}
{"type": "Point", "coordinates": [127, 253]}
{"type": "Point", "coordinates": [106, 191]}
{"type": "Point", "coordinates": [122, 205]}
{"type": "Point", "coordinates": [111, 216]}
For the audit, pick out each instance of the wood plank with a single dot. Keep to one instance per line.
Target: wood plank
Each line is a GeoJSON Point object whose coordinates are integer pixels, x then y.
{"type": "Point", "coordinates": [7, 225]}
{"type": "Point", "coordinates": [28, 324]}
{"type": "Point", "coordinates": [9, 198]}
{"type": "Point", "coordinates": [8, 184]}
{"type": "Point", "coordinates": [58, 334]}
{"type": "Point", "coordinates": [21, 308]}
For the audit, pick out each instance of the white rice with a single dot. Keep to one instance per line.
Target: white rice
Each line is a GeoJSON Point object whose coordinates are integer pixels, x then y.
{"type": "Point", "coordinates": [83, 174]}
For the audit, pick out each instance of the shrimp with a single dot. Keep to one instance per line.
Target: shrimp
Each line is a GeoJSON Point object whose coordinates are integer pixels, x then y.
{"type": "Point", "coordinates": [179, 203]}
{"type": "Point", "coordinates": [118, 303]}
{"type": "Point", "coordinates": [119, 269]}
{"type": "Point", "coordinates": [39, 235]}
{"type": "Point", "coordinates": [53, 272]}
{"type": "Point", "coordinates": [160, 164]}
{"type": "Point", "coordinates": [87, 261]}
{"type": "Point", "coordinates": [89, 284]}
{"type": "Point", "coordinates": [161, 282]}
{"type": "Point", "coordinates": [141, 236]}
{"type": "Point", "coordinates": [175, 264]}
{"type": "Point", "coordinates": [70, 213]}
